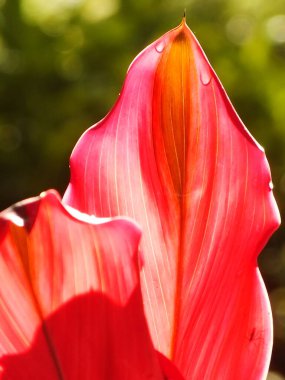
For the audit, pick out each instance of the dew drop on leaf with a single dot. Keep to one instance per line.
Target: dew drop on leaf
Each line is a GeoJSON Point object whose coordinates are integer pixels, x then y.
{"type": "Point", "coordinates": [205, 77]}
{"type": "Point", "coordinates": [159, 47]}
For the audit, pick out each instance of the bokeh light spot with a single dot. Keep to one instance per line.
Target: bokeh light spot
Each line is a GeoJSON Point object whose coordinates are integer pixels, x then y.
{"type": "Point", "coordinates": [275, 27]}
{"type": "Point", "coordinates": [239, 29]}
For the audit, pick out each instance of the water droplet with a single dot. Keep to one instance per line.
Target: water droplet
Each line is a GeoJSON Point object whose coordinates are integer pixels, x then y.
{"type": "Point", "coordinates": [271, 185]}
{"type": "Point", "coordinates": [159, 47]}
{"type": "Point", "coordinates": [205, 77]}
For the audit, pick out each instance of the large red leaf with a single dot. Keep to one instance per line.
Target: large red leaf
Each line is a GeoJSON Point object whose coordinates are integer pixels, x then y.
{"type": "Point", "coordinates": [70, 300]}
{"type": "Point", "coordinates": [174, 155]}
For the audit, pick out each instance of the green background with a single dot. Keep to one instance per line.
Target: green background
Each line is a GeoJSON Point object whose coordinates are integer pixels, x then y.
{"type": "Point", "coordinates": [63, 62]}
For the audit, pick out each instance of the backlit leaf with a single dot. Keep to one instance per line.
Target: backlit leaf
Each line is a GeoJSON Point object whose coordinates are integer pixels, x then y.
{"type": "Point", "coordinates": [174, 155]}
{"type": "Point", "coordinates": [70, 300]}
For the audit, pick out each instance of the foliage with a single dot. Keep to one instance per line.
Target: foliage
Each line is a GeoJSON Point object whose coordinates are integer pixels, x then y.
{"type": "Point", "coordinates": [61, 71]}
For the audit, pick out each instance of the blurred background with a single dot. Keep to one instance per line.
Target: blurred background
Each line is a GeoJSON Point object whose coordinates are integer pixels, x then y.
{"type": "Point", "coordinates": [63, 62]}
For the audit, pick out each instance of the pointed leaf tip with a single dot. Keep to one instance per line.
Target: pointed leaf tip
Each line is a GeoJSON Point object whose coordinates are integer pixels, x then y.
{"type": "Point", "coordinates": [174, 155]}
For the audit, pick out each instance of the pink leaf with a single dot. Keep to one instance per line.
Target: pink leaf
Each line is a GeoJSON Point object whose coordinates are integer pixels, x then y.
{"type": "Point", "coordinates": [174, 155]}
{"type": "Point", "coordinates": [70, 300]}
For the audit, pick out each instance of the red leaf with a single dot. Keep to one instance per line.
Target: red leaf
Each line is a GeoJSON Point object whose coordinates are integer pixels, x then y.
{"type": "Point", "coordinates": [173, 155]}
{"type": "Point", "coordinates": [70, 300]}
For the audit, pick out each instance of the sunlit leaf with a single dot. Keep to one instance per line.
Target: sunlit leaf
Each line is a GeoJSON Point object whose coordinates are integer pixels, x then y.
{"type": "Point", "coordinates": [173, 155]}
{"type": "Point", "coordinates": [70, 300]}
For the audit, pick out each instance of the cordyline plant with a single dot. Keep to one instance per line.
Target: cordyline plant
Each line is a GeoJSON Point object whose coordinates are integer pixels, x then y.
{"type": "Point", "coordinates": [88, 298]}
